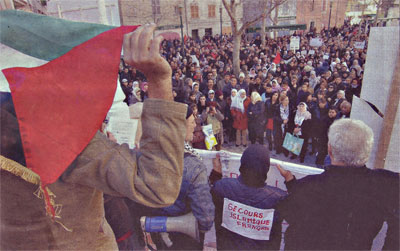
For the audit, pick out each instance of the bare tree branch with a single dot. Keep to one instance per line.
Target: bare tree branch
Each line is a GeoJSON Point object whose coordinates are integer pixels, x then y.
{"type": "Point", "coordinates": [230, 14]}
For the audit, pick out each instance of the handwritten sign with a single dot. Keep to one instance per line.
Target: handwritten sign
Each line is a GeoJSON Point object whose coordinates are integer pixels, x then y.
{"type": "Point", "coordinates": [124, 131]}
{"type": "Point", "coordinates": [316, 42]}
{"type": "Point", "coordinates": [120, 125]}
{"type": "Point", "coordinates": [294, 43]}
{"type": "Point", "coordinates": [247, 221]}
{"type": "Point", "coordinates": [359, 45]}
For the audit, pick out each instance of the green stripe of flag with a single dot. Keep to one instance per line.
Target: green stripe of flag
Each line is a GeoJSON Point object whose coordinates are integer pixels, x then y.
{"type": "Point", "coordinates": [42, 36]}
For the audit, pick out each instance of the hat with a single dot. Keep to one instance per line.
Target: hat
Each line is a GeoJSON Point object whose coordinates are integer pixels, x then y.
{"type": "Point", "coordinates": [255, 162]}
{"type": "Point", "coordinates": [218, 93]}
{"type": "Point", "coordinates": [241, 75]}
{"type": "Point", "coordinates": [124, 80]}
{"type": "Point", "coordinates": [211, 91]}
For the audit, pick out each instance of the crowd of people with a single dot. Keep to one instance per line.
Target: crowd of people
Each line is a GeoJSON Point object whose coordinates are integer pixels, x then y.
{"type": "Point", "coordinates": [277, 91]}
{"type": "Point", "coordinates": [108, 187]}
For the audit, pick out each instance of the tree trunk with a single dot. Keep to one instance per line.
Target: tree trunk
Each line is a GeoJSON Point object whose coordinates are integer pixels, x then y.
{"type": "Point", "coordinates": [236, 54]}
{"type": "Point", "coordinates": [376, 16]}
{"type": "Point", "coordinates": [263, 32]}
{"type": "Point", "coordinates": [276, 22]}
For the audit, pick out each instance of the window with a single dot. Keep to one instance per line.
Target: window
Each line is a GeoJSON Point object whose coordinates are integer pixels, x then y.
{"type": "Point", "coordinates": [324, 5]}
{"type": "Point", "coordinates": [211, 11]}
{"type": "Point", "coordinates": [176, 10]}
{"type": "Point", "coordinates": [155, 4]}
{"type": "Point", "coordinates": [194, 11]}
{"type": "Point", "coordinates": [312, 5]}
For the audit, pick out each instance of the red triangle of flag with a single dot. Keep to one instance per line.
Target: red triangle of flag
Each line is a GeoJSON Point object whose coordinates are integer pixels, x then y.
{"type": "Point", "coordinates": [277, 59]}
{"type": "Point", "coordinates": [61, 105]}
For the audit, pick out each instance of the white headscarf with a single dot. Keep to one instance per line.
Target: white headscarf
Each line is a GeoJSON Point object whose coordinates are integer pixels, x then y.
{"type": "Point", "coordinates": [301, 116]}
{"type": "Point", "coordinates": [237, 102]}
{"type": "Point", "coordinates": [235, 91]}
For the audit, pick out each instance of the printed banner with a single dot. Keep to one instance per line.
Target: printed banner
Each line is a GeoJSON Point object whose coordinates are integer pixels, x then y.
{"type": "Point", "coordinates": [247, 221]}
{"type": "Point", "coordinates": [292, 143]}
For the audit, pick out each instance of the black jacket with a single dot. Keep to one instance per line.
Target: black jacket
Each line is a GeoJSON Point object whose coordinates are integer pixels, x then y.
{"type": "Point", "coordinates": [342, 209]}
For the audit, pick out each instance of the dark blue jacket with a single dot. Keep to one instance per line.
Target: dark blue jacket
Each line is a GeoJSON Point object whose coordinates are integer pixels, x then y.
{"type": "Point", "coordinates": [265, 198]}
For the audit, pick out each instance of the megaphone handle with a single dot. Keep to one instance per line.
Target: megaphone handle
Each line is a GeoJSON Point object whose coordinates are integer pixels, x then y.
{"type": "Point", "coordinates": [166, 239]}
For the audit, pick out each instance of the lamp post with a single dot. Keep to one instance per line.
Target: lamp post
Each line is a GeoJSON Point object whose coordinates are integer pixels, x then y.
{"type": "Point", "coordinates": [330, 11]}
{"type": "Point", "coordinates": [183, 42]}
{"type": "Point", "coordinates": [220, 18]}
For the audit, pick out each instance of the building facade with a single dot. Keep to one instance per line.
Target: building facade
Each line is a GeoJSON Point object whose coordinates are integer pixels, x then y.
{"type": "Point", "coordinates": [321, 13]}
{"type": "Point", "coordinates": [35, 6]}
{"type": "Point", "coordinates": [199, 17]}
{"type": "Point", "coordinates": [91, 11]}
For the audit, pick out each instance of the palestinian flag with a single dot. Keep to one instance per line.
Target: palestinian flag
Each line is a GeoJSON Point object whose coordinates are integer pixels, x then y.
{"type": "Point", "coordinates": [277, 59]}
{"type": "Point", "coordinates": [62, 81]}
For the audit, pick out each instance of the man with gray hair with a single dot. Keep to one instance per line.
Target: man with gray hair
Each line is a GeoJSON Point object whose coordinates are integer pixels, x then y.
{"type": "Point", "coordinates": [345, 207]}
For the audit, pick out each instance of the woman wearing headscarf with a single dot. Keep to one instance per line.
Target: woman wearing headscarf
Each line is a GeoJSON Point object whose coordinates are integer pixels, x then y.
{"type": "Point", "coordinates": [314, 80]}
{"type": "Point", "coordinates": [228, 121]}
{"type": "Point", "coordinates": [196, 89]}
{"type": "Point", "coordinates": [238, 110]}
{"type": "Point", "coordinates": [135, 97]}
{"type": "Point", "coordinates": [256, 119]}
{"type": "Point", "coordinates": [272, 68]}
{"type": "Point", "coordinates": [302, 126]}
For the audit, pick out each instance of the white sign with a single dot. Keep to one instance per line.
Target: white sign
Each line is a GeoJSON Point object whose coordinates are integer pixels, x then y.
{"type": "Point", "coordinates": [359, 45]}
{"type": "Point", "coordinates": [311, 52]}
{"type": "Point", "coordinates": [294, 43]}
{"type": "Point", "coordinates": [326, 57]}
{"type": "Point", "coordinates": [247, 221]}
{"type": "Point", "coordinates": [231, 163]}
{"type": "Point", "coordinates": [124, 130]}
{"type": "Point", "coordinates": [304, 52]}
{"type": "Point", "coordinates": [316, 42]}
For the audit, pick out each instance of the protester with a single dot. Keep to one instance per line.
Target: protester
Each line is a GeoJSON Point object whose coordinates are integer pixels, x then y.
{"type": "Point", "coordinates": [344, 207]}
{"type": "Point", "coordinates": [256, 119]}
{"type": "Point", "coordinates": [249, 189]}
{"type": "Point", "coordinates": [194, 196]}
{"type": "Point", "coordinates": [151, 177]}
{"type": "Point", "coordinates": [302, 127]}
{"type": "Point", "coordinates": [239, 113]}
{"type": "Point", "coordinates": [212, 116]}
{"type": "Point", "coordinates": [281, 124]}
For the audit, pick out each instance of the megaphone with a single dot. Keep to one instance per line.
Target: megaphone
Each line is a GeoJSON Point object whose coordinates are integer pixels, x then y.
{"type": "Point", "coordinates": [186, 224]}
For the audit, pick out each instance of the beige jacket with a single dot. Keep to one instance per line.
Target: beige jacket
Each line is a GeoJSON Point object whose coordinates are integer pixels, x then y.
{"type": "Point", "coordinates": [152, 178]}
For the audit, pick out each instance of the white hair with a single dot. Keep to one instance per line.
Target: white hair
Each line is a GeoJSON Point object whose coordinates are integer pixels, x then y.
{"type": "Point", "coordinates": [350, 141]}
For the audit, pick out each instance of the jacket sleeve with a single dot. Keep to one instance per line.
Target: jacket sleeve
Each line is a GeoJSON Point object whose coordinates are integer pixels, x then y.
{"type": "Point", "coordinates": [152, 176]}
{"type": "Point", "coordinates": [201, 200]}
{"type": "Point", "coordinates": [219, 116]}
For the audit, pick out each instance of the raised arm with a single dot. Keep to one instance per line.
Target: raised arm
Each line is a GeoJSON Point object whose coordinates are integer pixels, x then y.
{"type": "Point", "coordinates": [152, 176]}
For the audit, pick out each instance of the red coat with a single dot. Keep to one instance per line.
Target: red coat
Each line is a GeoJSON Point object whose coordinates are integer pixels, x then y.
{"type": "Point", "coordinates": [240, 119]}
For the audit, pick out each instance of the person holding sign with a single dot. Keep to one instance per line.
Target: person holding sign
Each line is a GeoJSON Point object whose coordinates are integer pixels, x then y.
{"type": "Point", "coordinates": [245, 218]}
{"type": "Point", "coordinates": [344, 207]}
